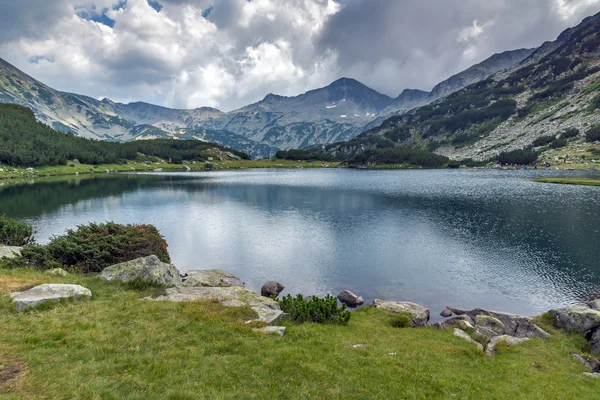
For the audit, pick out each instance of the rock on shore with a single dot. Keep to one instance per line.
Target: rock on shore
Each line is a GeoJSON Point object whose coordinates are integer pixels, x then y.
{"type": "Point", "coordinates": [149, 269]}
{"type": "Point", "coordinates": [211, 278]}
{"type": "Point", "coordinates": [10, 251]}
{"type": "Point", "coordinates": [48, 293]}
{"type": "Point", "coordinates": [419, 315]}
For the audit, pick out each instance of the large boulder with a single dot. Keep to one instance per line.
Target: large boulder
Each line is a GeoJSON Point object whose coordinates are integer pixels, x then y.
{"type": "Point", "coordinates": [490, 349]}
{"type": "Point", "coordinates": [576, 318]}
{"type": "Point", "coordinates": [149, 269]}
{"type": "Point", "coordinates": [10, 251]}
{"type": "Point", "coordinates": [268, 310]}
{"type": "Point", "coordinates": [271, 288]}
{"type": "Point", "coordinates": [48, 293]}
{"type": "Point", "coordinates": [350, 299]}
{"type": "Point", "coordinates": [211, 278]}
{"type": "Point", "coordinates": [514, 325]}
{"type": "Point", "coordinates": [418, 314]}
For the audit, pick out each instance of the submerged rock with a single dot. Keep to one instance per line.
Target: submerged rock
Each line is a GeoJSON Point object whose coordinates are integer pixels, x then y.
{"type": "Point", "coordinates": [446, 313]}
{"type": "Point", "coordinates": [514, 325]}
{"type": "Point", "coordinates": [350, 299]}
{"type": "Point", "coordinates": [211, 278]}
{"type": "Point", "coordinates": [271, 288]}
{"type": "Point", "coordinates": [419, 315]}
{"type": "Point", "coordinates": [576, 318]}
{"type": "Point", "coordinates": [490, 350]}
{"type": "Point", "coordinates": [48, 293]}
{"type": "Point", "coordinates": [149, 269]}
{"type": "Point", "coordinates": [10, 251]}
{"type": "Point", "coordinates": [268, 310]}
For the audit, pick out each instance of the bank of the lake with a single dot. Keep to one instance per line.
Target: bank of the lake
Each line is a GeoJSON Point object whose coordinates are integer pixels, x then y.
{"type": "Point", "coordinates": [571, 181]}
{"type": "Point", "coordinates": [117, 346]}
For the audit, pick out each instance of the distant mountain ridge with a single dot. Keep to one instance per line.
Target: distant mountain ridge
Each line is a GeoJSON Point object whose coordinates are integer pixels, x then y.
{"type": "Point", "coordinates": [335, 113]}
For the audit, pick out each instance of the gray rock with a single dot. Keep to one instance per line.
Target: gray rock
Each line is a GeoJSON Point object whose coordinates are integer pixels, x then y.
{"type": "Point", "coordinates": [186, 168]}
{"type": "Point", "coordinates": [595, 341]}
{"type": "Point", "coordinates": [271, 288]}
{"type": "Point", "coordinates": [465, 336]}
{"type": "Point", "coordinates": [271, 330]}
{"type": "Point", "coordinates": [490, 323]}
{"type": "Point", "coordinates": [487, 332]}
{"type": "Point", "coordinates": [57, 272]}
{"type": "Point", "coordinates": [10, 251]}
{"type": "Point", "coordinates": [576, 318]}
{"type": "Point", "coordinates": [350, 299]}
{"type": "Point", "coordinates": [583, 362]}
{"type": "Point", "coordinates": [268, 310]}
{"type": "Point", "coordinates": [446, 313]}
{"type": "Point", "coordinates": [594, 304]}
{"type": "Point", "coordinates": [458, 321]}
{"type": "Point", "coordinates": [490, 350]}
{"type": "Point", "coordinates": [211, 278]}
{"type": "Point", "coordinates": [594, 375]}
{"type": "Point", "coordinates": [48, 293]}
{"type": "Point", "coordinates": [514, 325]}
{"type": "Point", "coordinates": [231, 155]}
{"type": "Point", "coordinates": [149, 269]}
{"type": "Point", "coordinates": [419, 315]}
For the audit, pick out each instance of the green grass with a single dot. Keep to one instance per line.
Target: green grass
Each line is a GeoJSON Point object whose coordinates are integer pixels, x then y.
{"type": "Point", "coordinates": [117, 346]}
{"type": "Point", "coordinates": [86, 169]}
{"type": "Point", "coordinates": [571, 181]}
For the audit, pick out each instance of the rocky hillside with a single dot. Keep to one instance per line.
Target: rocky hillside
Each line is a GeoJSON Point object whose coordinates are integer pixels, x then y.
{"type": "Point", "coordinates": [556, 89]}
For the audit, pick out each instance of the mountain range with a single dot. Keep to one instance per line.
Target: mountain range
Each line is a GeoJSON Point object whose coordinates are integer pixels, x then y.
{"type": "Point", "coordinates": [336, 113]}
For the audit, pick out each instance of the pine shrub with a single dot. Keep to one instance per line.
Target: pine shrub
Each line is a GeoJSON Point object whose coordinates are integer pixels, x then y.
{"type": "Point", "coordinates": [15, 233]}
{"type": "Point", "coordinates": [320, 310]}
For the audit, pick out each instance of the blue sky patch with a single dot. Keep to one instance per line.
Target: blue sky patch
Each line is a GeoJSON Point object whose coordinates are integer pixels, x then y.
{"type": "Point", "coordinates": [101, 18]}
{"type": "Point", "coordinates": [207, 12]}
{"type": "Point", "coordinates": [37, 59]}
{"type": "Point", "coordinates": [156, 5]}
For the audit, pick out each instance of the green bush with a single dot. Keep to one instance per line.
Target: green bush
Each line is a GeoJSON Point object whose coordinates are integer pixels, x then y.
{"type": "Point", "coordinates": [569, 133]}
{"type": "Point", "coordinates": [453, 164]}
{"type": "Point", "coordinates": [558, 143]}
{"type": "Point", "coordinates": [543, 141]}
{"type": "Point", "coordinates": [593, 134]}
{"type": "Point", "coordinates": [526, 156]}
{"type": "Point", "coordinates": [401, 320]}
{"type": "Point", "coordinates": [15, 233]}
{"type": "Point", "coordinates": [93, 247]}
{"type": "Point", "coordinates": [314, 310]}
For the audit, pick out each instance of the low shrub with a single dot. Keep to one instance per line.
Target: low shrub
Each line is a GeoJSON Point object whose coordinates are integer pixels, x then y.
{"type": "Point", "coordinates": [558, 143]}
{"type": "Point", "coordinates": [314, 310]}
{"type": "Point", "coordinates": [15, 233]}
{"type": "Point", "coordinates": [593, 134]}
{"type": "Point", "coordinates": [569, 133]}
{"type": "Point", "coordinates": [401, 320]}
{"type": "Point", "coordinates": [93, 247]}
{"type": "Point", "coordinates": [543, 141]}
{"type": "Point", "coordinates": [453, 164]}
{"type": "Point", "coordinates": [526, 156]}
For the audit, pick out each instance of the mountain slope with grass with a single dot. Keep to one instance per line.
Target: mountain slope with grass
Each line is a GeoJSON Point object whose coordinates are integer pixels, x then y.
{"type": "Point", "coordinates": [555, 93]}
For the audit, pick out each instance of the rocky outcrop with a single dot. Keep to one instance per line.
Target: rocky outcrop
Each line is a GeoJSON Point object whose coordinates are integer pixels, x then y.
{"type": "Point", "coordinates": [350, 299]}
{"type": "Point", "coordinates": [491, 324]}
{"type": "Point", "coordinates": [271, 288]}
{"type": "Point", "coordinates": [490, 349]}
{"type": "Point", "coordinates": [465, 336]}
{"type": "Point", "coordinates": [576, 318]}
{"type": "Point", "coordinates": [149, 269]}
{"type": "Point", "coordinates": [48, 293]}
{"type": "Point", "coordinates": [10, 251]}
{"type": "Point", "coordinates": [418, 314]}
{"type": "Point", "coordinates": [463, 322]}
{"type": "Point", "coordinates": [268, 310]}
{"type": "Point", "coordinates": [211, 278]}
{"type": "Point", "coordinates": [514, 325]}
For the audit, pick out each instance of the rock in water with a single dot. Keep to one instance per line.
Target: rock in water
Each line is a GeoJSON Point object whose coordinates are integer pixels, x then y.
{"type": "Point", "coordinates": [509, 340]}
{"type": "Point", "coordinates": [419, 315]}
{"type": "Point", "coordinates": [48, 293]}
{"type": "Point", "coordinates": [149, 269]}
{"type": "Point", "coordinates": [271, 288]}
{"type": "Point", "coordinates": [268, 310]}
{"type": "Point", "coordinates": [10, 251]}
{"type": "Point", "coordinates": [446, 313]}
{"type": "Point", "coordinates": [350, 299]}
{"type": "Point", "coordinates": [211, 278]}
{"type": "Point", "coordinates": [576, 318]}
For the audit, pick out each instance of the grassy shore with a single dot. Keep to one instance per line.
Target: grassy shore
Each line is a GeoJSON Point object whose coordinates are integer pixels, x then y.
{"type": "Point", "coordinates": [118, 346]}
{"type": "Point", "coordinates": [86, 169]}
{"type": "Point", "coordinates": [571, 181]}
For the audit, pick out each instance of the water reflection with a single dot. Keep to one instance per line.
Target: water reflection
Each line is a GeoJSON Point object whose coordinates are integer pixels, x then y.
{"type": "Point", "coordinates": [467, 238]}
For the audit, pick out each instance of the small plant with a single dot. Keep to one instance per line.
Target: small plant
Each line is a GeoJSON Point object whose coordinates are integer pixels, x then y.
{"type": "Point", "coordinates": [314, 310]}
{"type": "Point", "coordinates": [400, 320]}
{"type": "Point", "coordinates": [15, 233]}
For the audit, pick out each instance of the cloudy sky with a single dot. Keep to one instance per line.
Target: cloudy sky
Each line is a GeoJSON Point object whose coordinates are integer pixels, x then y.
{"type": "Point", "coordinates": [228, 53]}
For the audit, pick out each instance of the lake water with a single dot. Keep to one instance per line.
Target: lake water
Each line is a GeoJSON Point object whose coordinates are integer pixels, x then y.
{"type": "Point", "coordinates": [466, 238]}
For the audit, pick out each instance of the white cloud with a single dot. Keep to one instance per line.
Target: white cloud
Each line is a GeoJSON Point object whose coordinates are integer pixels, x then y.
{"type": "Point", "coordinates": [243, 50]}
